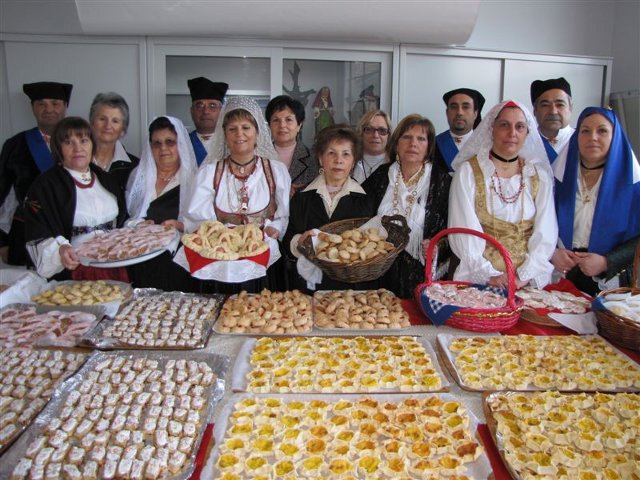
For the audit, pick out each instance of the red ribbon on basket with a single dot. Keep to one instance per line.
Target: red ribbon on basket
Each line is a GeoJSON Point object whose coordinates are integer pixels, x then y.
{"type": "Point", "coordinates": [196, 261]}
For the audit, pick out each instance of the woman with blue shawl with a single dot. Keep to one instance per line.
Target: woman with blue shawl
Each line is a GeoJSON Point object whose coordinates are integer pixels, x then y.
{"type": "Point", "coordinates": [598, 203]}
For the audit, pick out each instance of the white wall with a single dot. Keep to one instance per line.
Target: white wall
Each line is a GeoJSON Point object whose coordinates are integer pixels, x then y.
{"type": "Point", "coordinates": [626, 47]}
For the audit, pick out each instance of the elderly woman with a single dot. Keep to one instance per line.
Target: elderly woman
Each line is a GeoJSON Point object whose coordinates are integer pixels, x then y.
{"type": "Point", "coordinates": [109, 118]}
{"type": "Point", "coordinates": [332, 196]}
{"type": "Point", "coordinates": [373, 130]}
{"type": "Point", "coordinates": [158, 192]}
{"type": "Point", "coordinates": [239, 183]}
{"type": "Point", "coordinates": [73, 198]}
{"type": "Point", "coordinates": [286, 116]}
{"type": "Point", "coordinates": [417, 187]}
{"type": "Point", "coordinates": [503, 187]}
{"type": "Point", "coordinates": [597, 186]}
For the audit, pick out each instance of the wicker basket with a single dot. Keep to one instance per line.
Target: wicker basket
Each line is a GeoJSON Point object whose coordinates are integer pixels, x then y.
{"type": "Point", "coordinates": [372, 269]}
{"type": "Point", "coordinates": [476, 319]}
{"type": "Point", "coordinates": [617, 329]}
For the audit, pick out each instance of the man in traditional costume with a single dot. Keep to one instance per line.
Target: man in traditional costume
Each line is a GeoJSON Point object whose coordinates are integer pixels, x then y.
{"type": "Point", "coordinates": [207, 98]}
{"type": "Point", "coordinates": [464, 108]}
{"type": "Point", "coordinates": [24, 157]}
{"type": "Point", "coordinates": [552, 107]}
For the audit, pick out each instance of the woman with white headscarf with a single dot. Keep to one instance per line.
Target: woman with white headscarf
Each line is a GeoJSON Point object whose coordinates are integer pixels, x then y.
{"type": "Point", "coordinates": [241, 182]}
{"type": "Point", "coordinates": [158, 192]}
{"type": "Point", "coordinates": [503, 186]}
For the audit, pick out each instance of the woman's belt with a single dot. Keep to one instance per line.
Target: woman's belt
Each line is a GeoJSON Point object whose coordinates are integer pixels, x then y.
{"type": "Point", "coordinates": [87, 229]}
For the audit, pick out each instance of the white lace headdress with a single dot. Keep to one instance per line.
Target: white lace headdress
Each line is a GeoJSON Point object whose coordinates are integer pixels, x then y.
{"type": "Point", "coordinates": [264, 146]}
{"type": "Point", "coordinates": [142, 182]}
{"type": "Point", "coordinates": [481, 141]}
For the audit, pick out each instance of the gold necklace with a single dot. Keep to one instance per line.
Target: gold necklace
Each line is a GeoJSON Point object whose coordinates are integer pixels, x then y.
{"type": "Point", "coordinates": [412, 197]}
{"type": "Point", "coordinates": [167, 178]}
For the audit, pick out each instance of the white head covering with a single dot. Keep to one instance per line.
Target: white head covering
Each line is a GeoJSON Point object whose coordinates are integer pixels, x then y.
{"type": "Point", "coordinates": [142, 183]}
{"type": "Point", "coordinates": [264, 148]}
{"type": "Point", "coordinates": [481, 141]}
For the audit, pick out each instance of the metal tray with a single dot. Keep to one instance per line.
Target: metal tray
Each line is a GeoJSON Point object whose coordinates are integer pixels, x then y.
{"type": "Point", "coordinates": [212, 394]}
{"type": "Point", "coordinates": [216, 327]}
{"type": "Point", "coordinates": [243, 367]}
{"type": "Point", "coordinates": [97, 310]}
{"type": "Point", "coordinates": [479, 469]}
{"type": "Point", "coordinates": [96, 337]}
{"type": "Point", "coordinates": [448, 358]}
{"type": "Point", "coordinates": [31, 398]}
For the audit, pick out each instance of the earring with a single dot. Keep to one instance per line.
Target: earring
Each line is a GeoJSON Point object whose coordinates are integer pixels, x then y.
{"type": "Point", "coordinates": [321, 171]}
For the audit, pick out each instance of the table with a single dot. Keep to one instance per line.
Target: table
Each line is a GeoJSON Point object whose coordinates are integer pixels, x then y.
{"type": "Point", "coordinates": [420, 326]}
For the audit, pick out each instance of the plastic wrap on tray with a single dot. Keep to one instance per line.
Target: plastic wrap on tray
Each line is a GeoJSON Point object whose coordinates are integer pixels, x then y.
{"type": "Point", "coordinates": [28, 379]}
{"type": "Point", "coordinates": [374, 436]}
{"type": "Point", "coordinates": [530, 363]}
{"type": "Point", "coordinates": [27, 325]}
{"type": "Point", "coordinates": [359, 310]}
{"type": "Point", "coordinates": [338, 365]}
{"type": "Point", "coordinates": [125, 412]}
{"type": "Point", "coordinates": [266, 313]}
{"type": "Point", "coordinates": [155, 319]}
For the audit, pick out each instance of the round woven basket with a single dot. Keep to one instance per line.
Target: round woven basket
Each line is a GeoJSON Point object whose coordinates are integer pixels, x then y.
{"type": "Point", "coordinates": [372, 269]}
{"type": "Point", "coordinates": [617, 329]}
{"type": "Point", "coordinates": [476, 319]}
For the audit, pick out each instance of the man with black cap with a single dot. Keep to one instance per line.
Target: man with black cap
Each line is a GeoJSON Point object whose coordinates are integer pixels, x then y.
{"type": "Point", "coordinates": [464, 107]}
{"type": "Point", "coordinates": [24, 157]}
{"type": "Point", "coordinates": [552, 107]}
{"type": "Point", "coordinates": [206, 102]}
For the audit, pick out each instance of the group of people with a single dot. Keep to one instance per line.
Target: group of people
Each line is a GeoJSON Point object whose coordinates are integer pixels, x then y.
{"type": "Point", "coordinates": [560, 201]}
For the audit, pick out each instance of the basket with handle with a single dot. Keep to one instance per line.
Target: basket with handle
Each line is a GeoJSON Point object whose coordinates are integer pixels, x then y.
{"type": "Point", "coordinates": [362, 271]}
{"type": "Point", "coordinates": [474, 319]}
{"type": "Point", "coordinates": [616, 328]}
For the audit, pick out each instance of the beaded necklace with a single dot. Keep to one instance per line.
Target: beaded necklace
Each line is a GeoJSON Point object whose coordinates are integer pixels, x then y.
{"type": "Point", "coordinates": [495, 180]}
{"type": "Point", "coordinates": [242, 193]}
{"type": "Point", "coordinates": [85, 177]}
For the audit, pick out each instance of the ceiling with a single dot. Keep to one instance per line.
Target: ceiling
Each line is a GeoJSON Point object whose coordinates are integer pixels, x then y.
{"type": "Point", "coordinates": [437, 22]}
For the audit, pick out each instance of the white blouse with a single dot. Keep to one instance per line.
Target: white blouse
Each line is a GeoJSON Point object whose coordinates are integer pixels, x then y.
{"type": "Point", "coordinates": [583, 218]}
{"type": "Point", "coordinates": [414, 212]}
{"type": "Point", "coordinates": [469, 249]}
{"type": "Point", "coordinates": [228, 198]}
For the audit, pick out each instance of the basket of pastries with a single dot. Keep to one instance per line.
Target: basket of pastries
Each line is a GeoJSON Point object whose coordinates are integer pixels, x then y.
{"type": "Point", "coordinates": [618, 311]}
{"type": "Point", "coordinates": [465, 305]}
{"type": "Point", "coordinates": [348, 253]}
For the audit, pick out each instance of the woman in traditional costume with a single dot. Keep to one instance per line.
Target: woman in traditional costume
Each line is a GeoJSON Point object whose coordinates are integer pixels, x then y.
{"type": "Point", "coordinates": [286, 116]}
{"type": "Point", "coordinates": [373, 130]}
{"type": "Point", "coordinates": [158, 192]}
{"type": "Point", "coordinates": [417, 187]}
{"type": "Point", "coordinates": [109, 119]}
{"type": "Point", "coordinates": [503, 186]}
{"type": "Point", "coordinates": [333, 195]}
{"type": "Point", "coordinates": [598, 204]}
{"type": "Point", "coordinates": [323, 110]}
{"type": "Point", "coordinates": [240, 182]}
{"type": "Point", "coordinates": [73, 198]}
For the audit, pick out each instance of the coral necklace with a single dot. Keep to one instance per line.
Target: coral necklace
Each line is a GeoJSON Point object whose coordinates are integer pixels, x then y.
{"type": "Point", "coordinates": [496, 186]}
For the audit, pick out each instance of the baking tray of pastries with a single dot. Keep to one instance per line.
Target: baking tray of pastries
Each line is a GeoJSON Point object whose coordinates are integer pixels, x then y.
{"type": "Point", "coordinates": [123, 415]}
{"type": "Point", "coordinates": [27, 381]}
{"type": "Point", "coordinates": [266, 313]}
{"type": "Point", "coordinates": [361, 310]}
{"type": "Point", "coordinates": [336, 436]}
{"type": "Point", "coordinates": [155, 319]}
{"type": "Point", "coordinates": [338, 365]}
{"type": "Point", "coordinates": [126, 246]}
{"type": "Point", "coordinates": [83, 292]}
{"type": "Point", "coordinates": [565, 436]}
{"type": "Point", "coordinates": [529, 363]}
{"type": "Point", "coordinates": [538, 303]}
{"type": "Point", "coordinates": [25, 325]}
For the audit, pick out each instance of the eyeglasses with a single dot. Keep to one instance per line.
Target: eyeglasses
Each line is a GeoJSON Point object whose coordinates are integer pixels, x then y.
{"type": "Point", "coordinates": [210, 106]}
{"type": "Point", "coordinates": [169, 142]}
{"type": "Point", "coordinates": [383, 132]}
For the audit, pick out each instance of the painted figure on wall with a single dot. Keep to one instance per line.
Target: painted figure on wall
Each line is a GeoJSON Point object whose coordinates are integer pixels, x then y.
{"type": "Point", "coordinates": [323, 110]}
{"type": "Point", "coordinates": [367, 102]}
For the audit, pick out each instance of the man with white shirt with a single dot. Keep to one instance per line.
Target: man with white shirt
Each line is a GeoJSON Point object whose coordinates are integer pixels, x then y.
{"type": "Point", "coordinates": [552, 106]}
{"type": "Point", "coordinates": [464, 107]}
{"type": "Point", "coordinates": [25, 156]}
{"type": "Point", "coordinates": [207, 98]}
